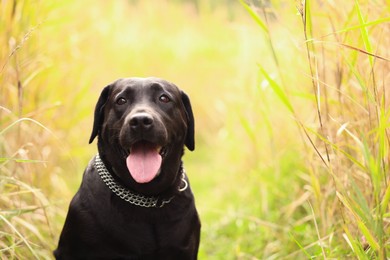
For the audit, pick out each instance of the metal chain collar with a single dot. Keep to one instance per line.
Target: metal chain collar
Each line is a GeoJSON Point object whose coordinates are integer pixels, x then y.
{"type": "Point", "coordinates": [129, 196]}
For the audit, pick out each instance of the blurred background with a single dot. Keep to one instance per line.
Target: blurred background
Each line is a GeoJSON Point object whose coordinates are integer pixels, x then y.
{"type": "Point", "coordinates": [290, 102]}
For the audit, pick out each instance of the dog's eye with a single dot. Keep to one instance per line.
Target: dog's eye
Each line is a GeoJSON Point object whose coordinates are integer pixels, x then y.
{"type": "Point", "coordinates": [121, 101]}
{"type": "Point", "coordinates": [164, 98]}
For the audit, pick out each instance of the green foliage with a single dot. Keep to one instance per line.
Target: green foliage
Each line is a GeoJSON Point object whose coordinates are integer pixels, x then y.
{"type": "Point", "coordinates": [292, 158]}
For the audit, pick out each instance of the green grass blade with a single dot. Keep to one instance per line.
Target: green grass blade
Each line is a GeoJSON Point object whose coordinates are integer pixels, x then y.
{"type": "Point", "coordinates": [346, 203]}
{"type": "Point", "coordinates": [277, 89]}
{"type": "Point", "coordinates": [364, 32]}
{"type": "Point", "coordinates": [248, 128]}
{"type": "Point", "coordinates": [357, 75]}
{"type": "Point", "coordinates": [255, 16]}
{"type": "Point", "coordinates": [360, 204]}
{"type": "Point", "coordinates": [21, 160]}
{"type": "Point", "coordinates": [335, 147]}
{"type": "Point", "coordinates": [300, 246]}
{"type": "Point", "coordinates": [373, 167]}
{"type": "Point", "coordinates": [17, 212]}
{"type": "Point", "coordinates": [355, 246]}
{"type": "Point", "coordinates": [308, 21]}
{"type": "Point", "coordinates": [360, 26]}
{"type": "Point", "coordinates": [367, 234]}
{"type": "Point", "coordinates": [359, 213]}
{"type": "Point", "coordinates": [385, 200]}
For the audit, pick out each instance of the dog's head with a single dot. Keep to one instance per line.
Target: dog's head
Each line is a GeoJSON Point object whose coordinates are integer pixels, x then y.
{"type": "Point", "coordinates": [142, 126]}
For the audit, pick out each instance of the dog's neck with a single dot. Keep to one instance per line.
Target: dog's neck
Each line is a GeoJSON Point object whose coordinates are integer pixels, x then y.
{"type": "Point", "coordinates": [132, 197]}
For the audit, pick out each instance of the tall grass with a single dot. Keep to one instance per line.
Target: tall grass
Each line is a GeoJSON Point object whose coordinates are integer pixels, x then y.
{"type": "Point", "coordinates": [292, 157]}
{"type": "Point", "coordinates": [349, 182]}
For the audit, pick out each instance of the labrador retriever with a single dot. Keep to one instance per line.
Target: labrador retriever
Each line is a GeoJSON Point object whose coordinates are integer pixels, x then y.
{"type": "Point", "coordinates": [135, 201]}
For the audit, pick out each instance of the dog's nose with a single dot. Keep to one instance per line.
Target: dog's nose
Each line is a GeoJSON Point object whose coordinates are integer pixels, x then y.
{"type": "Point", "coordinates": [141, 121]}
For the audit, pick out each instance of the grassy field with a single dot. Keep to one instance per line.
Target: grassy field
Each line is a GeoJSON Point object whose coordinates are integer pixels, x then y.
{"type": "Point", "coordinates": [291, 106]}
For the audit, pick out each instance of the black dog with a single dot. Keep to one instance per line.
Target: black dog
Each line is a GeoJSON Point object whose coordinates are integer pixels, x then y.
{"type": "Point", "coordinates": [135, 201]}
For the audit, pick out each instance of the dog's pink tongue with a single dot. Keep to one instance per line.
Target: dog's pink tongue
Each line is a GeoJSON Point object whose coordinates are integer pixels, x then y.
{"type": "Point", "coordinates": [143, 162]}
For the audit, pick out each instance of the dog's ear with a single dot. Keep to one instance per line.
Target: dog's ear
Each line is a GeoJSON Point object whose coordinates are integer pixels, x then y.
{"type": "Point", "coordinates": [190, 136]}
{"type": "Point", "coordinates": [99, 113]}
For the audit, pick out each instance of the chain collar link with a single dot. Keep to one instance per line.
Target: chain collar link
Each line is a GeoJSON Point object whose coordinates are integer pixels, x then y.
{"type": "Point", "coordinates": [129, 196]}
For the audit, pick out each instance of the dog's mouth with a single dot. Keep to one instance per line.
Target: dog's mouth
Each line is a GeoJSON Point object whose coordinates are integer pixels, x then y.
{"type": "Point", "coordinates": [144, 160]}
